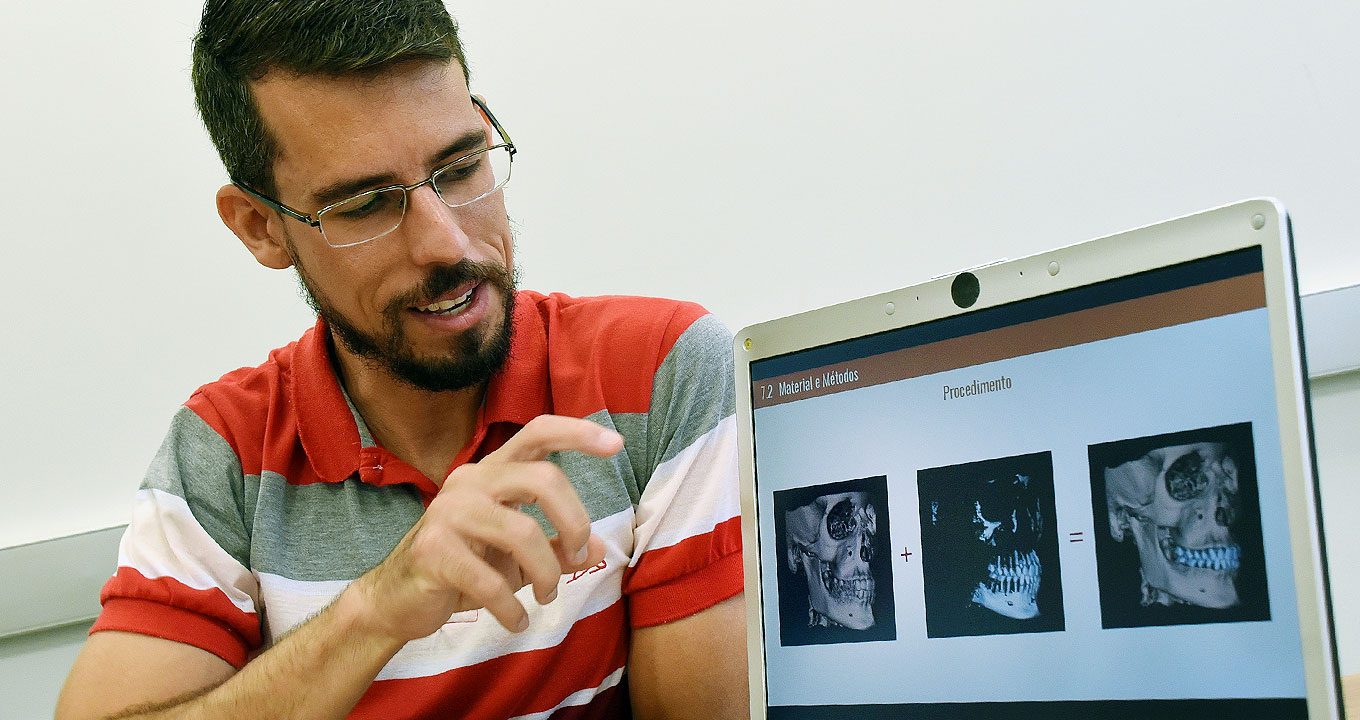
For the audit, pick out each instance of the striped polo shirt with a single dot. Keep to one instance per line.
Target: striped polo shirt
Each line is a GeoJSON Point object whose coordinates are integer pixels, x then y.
{"type": "Point", "coordinates": [269, 496]}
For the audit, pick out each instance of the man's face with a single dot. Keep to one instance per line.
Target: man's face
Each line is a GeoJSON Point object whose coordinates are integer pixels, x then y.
{"type": "Point", "coordinates": [387, 300]}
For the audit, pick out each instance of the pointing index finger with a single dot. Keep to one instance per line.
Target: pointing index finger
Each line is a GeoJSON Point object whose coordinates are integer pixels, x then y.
{"type": "Point", "coordinates": [555, 433]}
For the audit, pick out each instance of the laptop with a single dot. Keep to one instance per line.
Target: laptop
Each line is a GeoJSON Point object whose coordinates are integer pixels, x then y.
{"type": "Point", "coordinates": [1075, 485]}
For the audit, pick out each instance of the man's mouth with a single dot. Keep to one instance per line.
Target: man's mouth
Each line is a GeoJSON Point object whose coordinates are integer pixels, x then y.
{"type": "Point", "coordinates": [448, 307]}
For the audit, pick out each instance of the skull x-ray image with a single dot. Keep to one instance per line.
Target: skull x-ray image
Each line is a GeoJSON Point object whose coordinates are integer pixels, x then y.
{"type": "Point", "coordinates": [835, 570]}
{"type": "Point", "coordinates": [1178, 529]}
{"type": "Point", "coordinates": [989, 548]}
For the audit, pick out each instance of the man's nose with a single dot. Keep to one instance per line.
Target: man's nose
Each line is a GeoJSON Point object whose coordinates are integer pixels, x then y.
{"type": "Point", "coordinates": [433, 231]}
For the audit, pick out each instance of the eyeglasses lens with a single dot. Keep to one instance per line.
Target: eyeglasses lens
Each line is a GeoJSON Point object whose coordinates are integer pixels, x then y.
{"type": "Point", "coordinates": [363, 217]}
{"type": "Point", "coordinates": [473, 178]}
{"type": "Point", "coordinates": [376, 213]}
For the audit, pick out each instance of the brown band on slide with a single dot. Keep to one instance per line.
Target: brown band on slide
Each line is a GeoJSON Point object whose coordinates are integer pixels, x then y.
{"type": "Point", "coordinates": [1175, 307]}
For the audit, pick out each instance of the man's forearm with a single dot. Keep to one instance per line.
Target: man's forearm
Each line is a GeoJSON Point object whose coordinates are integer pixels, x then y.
{"type": "Point", "coordinates": [320, 670]}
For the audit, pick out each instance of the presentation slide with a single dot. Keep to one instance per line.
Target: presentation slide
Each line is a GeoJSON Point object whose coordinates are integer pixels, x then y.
{"type": "Point", "coordinates": [1073, 504]}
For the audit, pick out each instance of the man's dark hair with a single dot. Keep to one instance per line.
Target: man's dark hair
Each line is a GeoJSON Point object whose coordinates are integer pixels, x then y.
{"type": "Point", "coordinates": [243, 40]}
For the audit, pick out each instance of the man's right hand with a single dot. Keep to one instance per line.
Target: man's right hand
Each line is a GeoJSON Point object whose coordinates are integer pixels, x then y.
{"type": "Point", "coordinates": [474, 548]}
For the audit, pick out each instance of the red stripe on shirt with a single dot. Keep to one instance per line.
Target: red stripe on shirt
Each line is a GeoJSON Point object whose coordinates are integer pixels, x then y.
{"type": "Point", "coordinates": [247, 390]}
{"type": "Point", "coordinates": [681, 579]}
{"type": "Point", "coordinates": [167, 608]}
{"type": "Point", "coordinates": [659, 565]}
{"type": "Point", "coordinates": [607, 372]}
{"type": "Point", "coordinates": [282, 415]}
{"type": "Point", "coordinates": [510, 685]}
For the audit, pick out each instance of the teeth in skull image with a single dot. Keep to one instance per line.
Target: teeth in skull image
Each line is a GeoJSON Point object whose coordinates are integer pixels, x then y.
{"type": "Point", "coordinates": [835, 578]}
{"type": "Point", "coordinates": [1178, 504]}
{"type": "Point", "coordinates": [1178, 529]}
{"type": "Point", "coordinates": [832, 541]}
{"type": "Point", "coordinates": [1013, 584]}
{"type": "Point", "coordinates": [989, 553]}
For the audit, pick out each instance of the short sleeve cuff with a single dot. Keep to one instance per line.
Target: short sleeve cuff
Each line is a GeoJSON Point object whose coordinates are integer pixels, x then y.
{"type": "Point", "coordinates": [145, 617]}
{"type": "Point", "coordinates": [687, 594]}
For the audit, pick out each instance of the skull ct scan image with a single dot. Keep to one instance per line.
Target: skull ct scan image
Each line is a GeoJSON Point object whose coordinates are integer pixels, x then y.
{"type": "Point", "coordinates": [1178, 529]}
{"type": "Point", "coordinates": [989, 549]}
{"type": "Point", "coordinates": [835, 578]}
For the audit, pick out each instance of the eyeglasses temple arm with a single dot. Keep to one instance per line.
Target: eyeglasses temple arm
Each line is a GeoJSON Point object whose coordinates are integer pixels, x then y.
{"type": "Point", "coordinates": [277, 205]}
{"type": "Point", "coordinates": [509, 144]}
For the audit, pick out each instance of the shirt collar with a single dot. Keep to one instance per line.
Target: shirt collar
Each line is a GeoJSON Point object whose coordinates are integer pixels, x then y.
{"type": "Point", "coordinates": [334, 436]}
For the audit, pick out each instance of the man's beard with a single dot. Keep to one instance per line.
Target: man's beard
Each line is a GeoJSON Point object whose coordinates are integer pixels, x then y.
{"type": "Point", "coordinates": [472, 357]}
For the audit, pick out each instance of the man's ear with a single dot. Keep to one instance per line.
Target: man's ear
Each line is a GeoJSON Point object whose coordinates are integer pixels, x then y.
{"type": "Point", "coordinates": [254, 223]}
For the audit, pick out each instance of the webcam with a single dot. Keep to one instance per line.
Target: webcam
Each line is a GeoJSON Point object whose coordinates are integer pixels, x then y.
{"type": "Point", "coordinates": [965, 289]}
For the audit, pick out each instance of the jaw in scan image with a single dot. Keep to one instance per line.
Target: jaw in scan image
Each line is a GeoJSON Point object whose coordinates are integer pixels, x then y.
{"type": "Point", "coordinates": [1006, 524]}
{"type": "Point", "coordinates": [1178, 504]}
{"type": "Point", "coordinates": [1178, 528]}
{"type": "Point", "coordinates": [1012, 582]}
{"type": "Point", "coordinates": [831, 541]}
{"type": "Point", "coordinates": [989, 547]}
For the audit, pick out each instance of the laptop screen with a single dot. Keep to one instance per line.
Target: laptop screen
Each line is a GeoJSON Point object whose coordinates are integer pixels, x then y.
{"type": "Point", "coordinates": [1066, 506]}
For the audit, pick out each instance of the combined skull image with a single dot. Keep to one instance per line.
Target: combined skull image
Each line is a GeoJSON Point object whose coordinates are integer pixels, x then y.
{"type": "Point", "coordinates": [989, 548]}
{"type": "Point", "coordinates": [832, 573]}
{"type": "Point", "coordinates": [1187, 503]}
{"type": "Point", "coordinates": [1177, 504]}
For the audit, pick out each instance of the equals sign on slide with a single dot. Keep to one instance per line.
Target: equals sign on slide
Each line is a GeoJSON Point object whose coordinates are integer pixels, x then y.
{"type": "Point", "coordinates": [1074, 537]}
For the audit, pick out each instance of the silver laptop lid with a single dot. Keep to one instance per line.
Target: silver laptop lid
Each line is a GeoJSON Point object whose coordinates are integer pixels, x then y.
{"type": "Point", "coordinates": [1078, 484]}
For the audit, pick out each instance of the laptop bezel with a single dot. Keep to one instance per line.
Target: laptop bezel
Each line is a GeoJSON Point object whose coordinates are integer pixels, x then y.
{"type": "Point", "coordinates": [1257, 222]}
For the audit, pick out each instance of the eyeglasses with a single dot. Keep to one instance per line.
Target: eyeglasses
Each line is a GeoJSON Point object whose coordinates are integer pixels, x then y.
{"type": "Point", "coordinates": [374, 213]}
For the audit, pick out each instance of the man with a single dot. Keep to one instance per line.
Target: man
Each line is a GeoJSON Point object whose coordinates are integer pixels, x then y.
{"type": "Point", "coordinates": [447, 499]}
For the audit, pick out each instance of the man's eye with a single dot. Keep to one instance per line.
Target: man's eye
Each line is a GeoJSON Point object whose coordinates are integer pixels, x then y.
{"type": "Point", "coordinates": [362, 207]}
{"type": "Point", "coordinates": [459, 171]}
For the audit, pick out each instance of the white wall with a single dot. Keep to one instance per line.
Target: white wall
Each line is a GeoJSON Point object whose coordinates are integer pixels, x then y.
{"type": "Point", "coordinates": [760, 156]}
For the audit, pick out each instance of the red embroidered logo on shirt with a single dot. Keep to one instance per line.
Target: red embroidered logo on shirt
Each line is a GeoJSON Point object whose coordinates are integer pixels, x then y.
{"type": "Point", "coordinates": [588, 571]}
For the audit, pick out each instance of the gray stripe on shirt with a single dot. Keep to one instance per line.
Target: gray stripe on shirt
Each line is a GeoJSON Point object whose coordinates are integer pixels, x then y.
{"type": "Point", "coordinates": [684, 407]}
{"type": "Point", "coordinates": [599, 499]}
{"type": "Point", "coordinates": [196, 464]}
{"type": "Point", "coordinates": [306, 532]}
